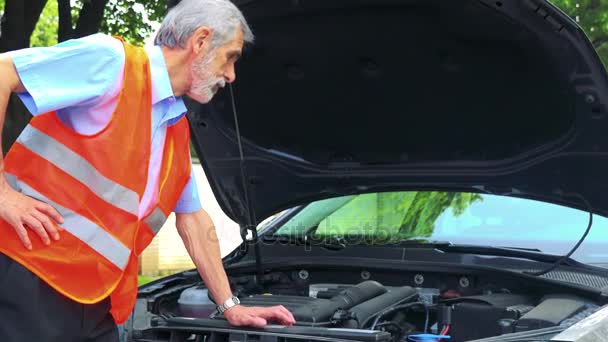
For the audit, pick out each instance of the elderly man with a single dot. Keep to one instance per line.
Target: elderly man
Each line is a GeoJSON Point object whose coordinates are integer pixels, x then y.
{"type": "Point", "coordinates": [101, 165]}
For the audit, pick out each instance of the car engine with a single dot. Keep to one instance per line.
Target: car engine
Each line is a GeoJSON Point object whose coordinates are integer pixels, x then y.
{"type": "Point", "coordinates": [371, 311]}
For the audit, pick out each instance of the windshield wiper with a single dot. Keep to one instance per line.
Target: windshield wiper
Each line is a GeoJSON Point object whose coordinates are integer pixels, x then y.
{"type": "Point", "coordinates": [511, 252]}
{"type": "Point", "coordinates": [530, 254]}
{"type": "Point", "coordinates": [329, 242]}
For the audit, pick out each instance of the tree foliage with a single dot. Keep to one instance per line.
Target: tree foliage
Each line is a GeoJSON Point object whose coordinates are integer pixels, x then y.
{"type": "Point", "coordinates": [45, 33]}
{"type": "Point", "coordinates": [65, 19]}
{"type": "Point", "coordinates": [426, 207]}
{"type": "Point", "coordinates": [389, 216]}
{"type": "Point", "coordinates": [133, 19]}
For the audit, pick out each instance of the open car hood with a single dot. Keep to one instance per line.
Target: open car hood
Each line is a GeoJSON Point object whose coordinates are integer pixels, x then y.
{"type": "Point", "coordinates": [340, 97]}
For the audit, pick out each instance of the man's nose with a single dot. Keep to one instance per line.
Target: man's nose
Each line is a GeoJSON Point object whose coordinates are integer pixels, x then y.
{"type": "Point", "coordinates": [230, 74]}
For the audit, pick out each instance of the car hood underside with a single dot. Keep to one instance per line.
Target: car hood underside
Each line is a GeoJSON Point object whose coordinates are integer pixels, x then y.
{"type": "Point", "coordinates": [341, 97]}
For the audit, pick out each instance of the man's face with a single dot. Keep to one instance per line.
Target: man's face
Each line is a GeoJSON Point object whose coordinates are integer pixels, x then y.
{"type": "Point", "coordinates": [214, 69]}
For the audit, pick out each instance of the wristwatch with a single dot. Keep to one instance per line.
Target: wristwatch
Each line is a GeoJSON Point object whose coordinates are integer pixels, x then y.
{"type": "Point", "coordinates": [230, 302]}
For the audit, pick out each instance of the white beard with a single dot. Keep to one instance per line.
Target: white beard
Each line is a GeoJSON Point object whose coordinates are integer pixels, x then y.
{"type": "Point", "coordinates": [204, 85]}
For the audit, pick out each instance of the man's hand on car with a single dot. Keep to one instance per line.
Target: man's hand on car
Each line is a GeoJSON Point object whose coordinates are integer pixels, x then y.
{"type": "Point", "coordinates": [258, 317]}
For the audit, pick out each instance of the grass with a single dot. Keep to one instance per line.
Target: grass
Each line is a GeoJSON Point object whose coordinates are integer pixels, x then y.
{"type": "Point", "coordinates": [144, 280]}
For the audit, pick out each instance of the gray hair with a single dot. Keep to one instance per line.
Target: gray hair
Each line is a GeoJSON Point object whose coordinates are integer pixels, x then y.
{"type": "Point", "coordinates": [222, 16]}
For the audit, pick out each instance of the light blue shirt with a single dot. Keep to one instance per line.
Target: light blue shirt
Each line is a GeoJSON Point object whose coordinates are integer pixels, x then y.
{"type": "Point", "coordinates": [81, 80]}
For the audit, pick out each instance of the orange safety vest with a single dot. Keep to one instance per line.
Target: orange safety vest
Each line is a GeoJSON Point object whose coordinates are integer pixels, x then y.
{"type": "Point", "coordinates": [96, 183]}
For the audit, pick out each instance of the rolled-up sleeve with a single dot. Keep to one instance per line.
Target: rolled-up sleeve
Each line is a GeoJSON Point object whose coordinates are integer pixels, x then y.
{"type": "Point", "coordinates": [189, 201]}
{"type": "Point", "coordinates": [73, 73]}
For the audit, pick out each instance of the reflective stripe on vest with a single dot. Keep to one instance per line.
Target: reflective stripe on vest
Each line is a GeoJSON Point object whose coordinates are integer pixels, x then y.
{"type": "Point", "coordinates": [151, 225]}
{"type": "Point", "coordinates": [85, 230]}
{"type": "Point", "coordinates": [156, 220]}
{"type": "Point", "coordinates": [79, 168]}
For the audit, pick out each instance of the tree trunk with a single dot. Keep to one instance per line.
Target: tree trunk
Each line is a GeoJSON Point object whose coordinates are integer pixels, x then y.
{"type": "Point", "coordinates": [89, 19]}
{"type": "Point", "coordinates": [16, 27]}
{"type": "Point", "coordinates": [65, 30]}
{"type": "Point", "coordinates": [18, 23]}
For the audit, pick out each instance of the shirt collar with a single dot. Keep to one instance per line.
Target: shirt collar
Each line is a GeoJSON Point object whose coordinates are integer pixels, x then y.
{"type": "Point", "coordinates": [161, 86]}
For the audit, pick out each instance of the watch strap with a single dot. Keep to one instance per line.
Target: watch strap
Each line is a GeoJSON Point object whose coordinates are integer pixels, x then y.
{"type": "Point", "coordinates": [230, 302]}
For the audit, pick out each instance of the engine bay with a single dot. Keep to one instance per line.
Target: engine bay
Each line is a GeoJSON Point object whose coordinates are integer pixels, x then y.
{"type": "Point", "coordinates": [406, 311]}
{"type": "Point", "coordinates": [373, 310]}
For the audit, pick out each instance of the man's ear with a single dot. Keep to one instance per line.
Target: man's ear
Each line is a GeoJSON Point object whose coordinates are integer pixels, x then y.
{"type": "Point", "coordinates": [200, 40]}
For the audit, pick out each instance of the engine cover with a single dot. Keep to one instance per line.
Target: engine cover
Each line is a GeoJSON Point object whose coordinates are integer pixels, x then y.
{"type": "Point", "coordinates": [319, 311]}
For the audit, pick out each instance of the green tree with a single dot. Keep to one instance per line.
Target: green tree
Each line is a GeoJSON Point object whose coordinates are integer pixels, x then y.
{"type": "Point", "coordinates": [45, 33]}
{"type": "Point", "coordinates": [133, 19]}
{"type": "Point", "coordinates": [426, 207]}
{"type": "Point", "coordinates": [386, 216]}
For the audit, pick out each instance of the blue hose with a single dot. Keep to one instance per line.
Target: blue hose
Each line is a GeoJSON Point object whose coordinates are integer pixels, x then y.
{"type": "Point", "coordinates": [427, 338]}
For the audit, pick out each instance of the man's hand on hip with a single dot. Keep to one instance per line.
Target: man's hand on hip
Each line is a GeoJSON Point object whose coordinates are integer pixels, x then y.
{"type": "Point", "coordinates": [17, 209]}
{"type": "Point", "coordinates": [258, 316]}
{"type": "Point", "coordinates": [23, 213]}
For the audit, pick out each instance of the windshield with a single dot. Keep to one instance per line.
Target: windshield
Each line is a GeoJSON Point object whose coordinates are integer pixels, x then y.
{"type": "Point", "coordinates": [458, 217]}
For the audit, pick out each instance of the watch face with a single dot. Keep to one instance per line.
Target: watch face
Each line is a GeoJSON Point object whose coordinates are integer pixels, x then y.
{"type": "Point", "coordinates": [236, 300]}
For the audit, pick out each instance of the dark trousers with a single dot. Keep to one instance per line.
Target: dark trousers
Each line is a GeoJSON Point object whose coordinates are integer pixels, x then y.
{"type": "Point", "coordinates": [30, 310]}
